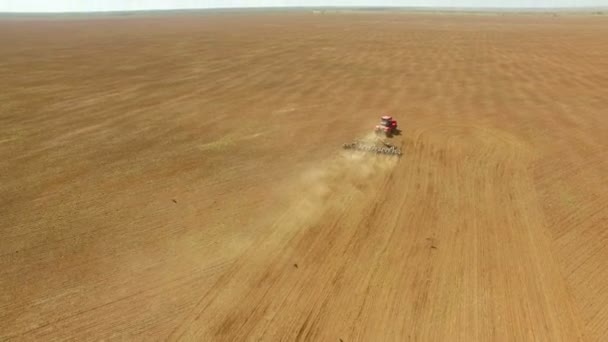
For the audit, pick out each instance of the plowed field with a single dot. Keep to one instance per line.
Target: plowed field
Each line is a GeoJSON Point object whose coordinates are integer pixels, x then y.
{"type": "Point", "coordinates": [181, 177]}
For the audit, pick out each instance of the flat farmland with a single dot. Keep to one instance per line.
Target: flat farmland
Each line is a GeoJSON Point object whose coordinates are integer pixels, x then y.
{"type": "Point", "coordinates": [182, 177]}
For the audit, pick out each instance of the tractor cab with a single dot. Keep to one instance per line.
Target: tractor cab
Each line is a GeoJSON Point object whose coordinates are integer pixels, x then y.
{"type": "Point", "coordinates": [386, 121]}
{"type": "Point", "coordinates": [387, 125]}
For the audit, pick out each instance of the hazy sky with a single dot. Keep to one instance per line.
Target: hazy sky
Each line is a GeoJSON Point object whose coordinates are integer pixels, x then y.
{"type": "Point", "coordinates": [123, 5]}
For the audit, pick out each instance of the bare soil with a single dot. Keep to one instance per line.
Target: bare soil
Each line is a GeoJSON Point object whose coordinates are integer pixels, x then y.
{"type": "Point", "coordinates": [182, 178]}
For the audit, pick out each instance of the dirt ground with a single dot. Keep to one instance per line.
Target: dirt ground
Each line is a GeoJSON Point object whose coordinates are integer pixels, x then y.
{"type": "Point", "coordinates": [181, 178]}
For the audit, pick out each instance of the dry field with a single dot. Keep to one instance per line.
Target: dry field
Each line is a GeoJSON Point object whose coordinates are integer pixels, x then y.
{"type": "Point", "coordinates": [181, 178]}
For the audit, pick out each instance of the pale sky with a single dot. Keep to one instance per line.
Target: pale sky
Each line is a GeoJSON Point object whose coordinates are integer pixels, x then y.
{"type": "Point", "coordinates": [126, 5]}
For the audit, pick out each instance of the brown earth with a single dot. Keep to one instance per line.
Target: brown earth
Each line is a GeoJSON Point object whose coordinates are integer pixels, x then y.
{"type": "Point", "coordinates": [181, 177]}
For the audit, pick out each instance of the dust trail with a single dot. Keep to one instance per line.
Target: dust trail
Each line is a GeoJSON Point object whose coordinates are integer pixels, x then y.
{"type": "Point", "coordinates": [334, 185]}
{"type": "Point", "coordinates": [331, 188]}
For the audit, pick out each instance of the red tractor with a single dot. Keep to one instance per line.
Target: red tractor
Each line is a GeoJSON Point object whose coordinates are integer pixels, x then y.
{"type": "Point", "coordinates": [387, 125]}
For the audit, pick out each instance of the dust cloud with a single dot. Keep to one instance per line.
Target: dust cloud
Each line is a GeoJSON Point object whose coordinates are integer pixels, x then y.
{"type": "Point", "coordinates": [334, 185]}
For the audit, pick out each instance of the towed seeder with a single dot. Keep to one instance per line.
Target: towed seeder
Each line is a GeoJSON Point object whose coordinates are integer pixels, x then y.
{"type": "Point", "coordinates": [388, 128]}
{"type": "Point", "coordinates": [374, 148]}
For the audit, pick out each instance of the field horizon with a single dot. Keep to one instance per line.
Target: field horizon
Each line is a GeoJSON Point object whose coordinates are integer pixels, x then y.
{"type": "Point", "coordinates": [329, 9]}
